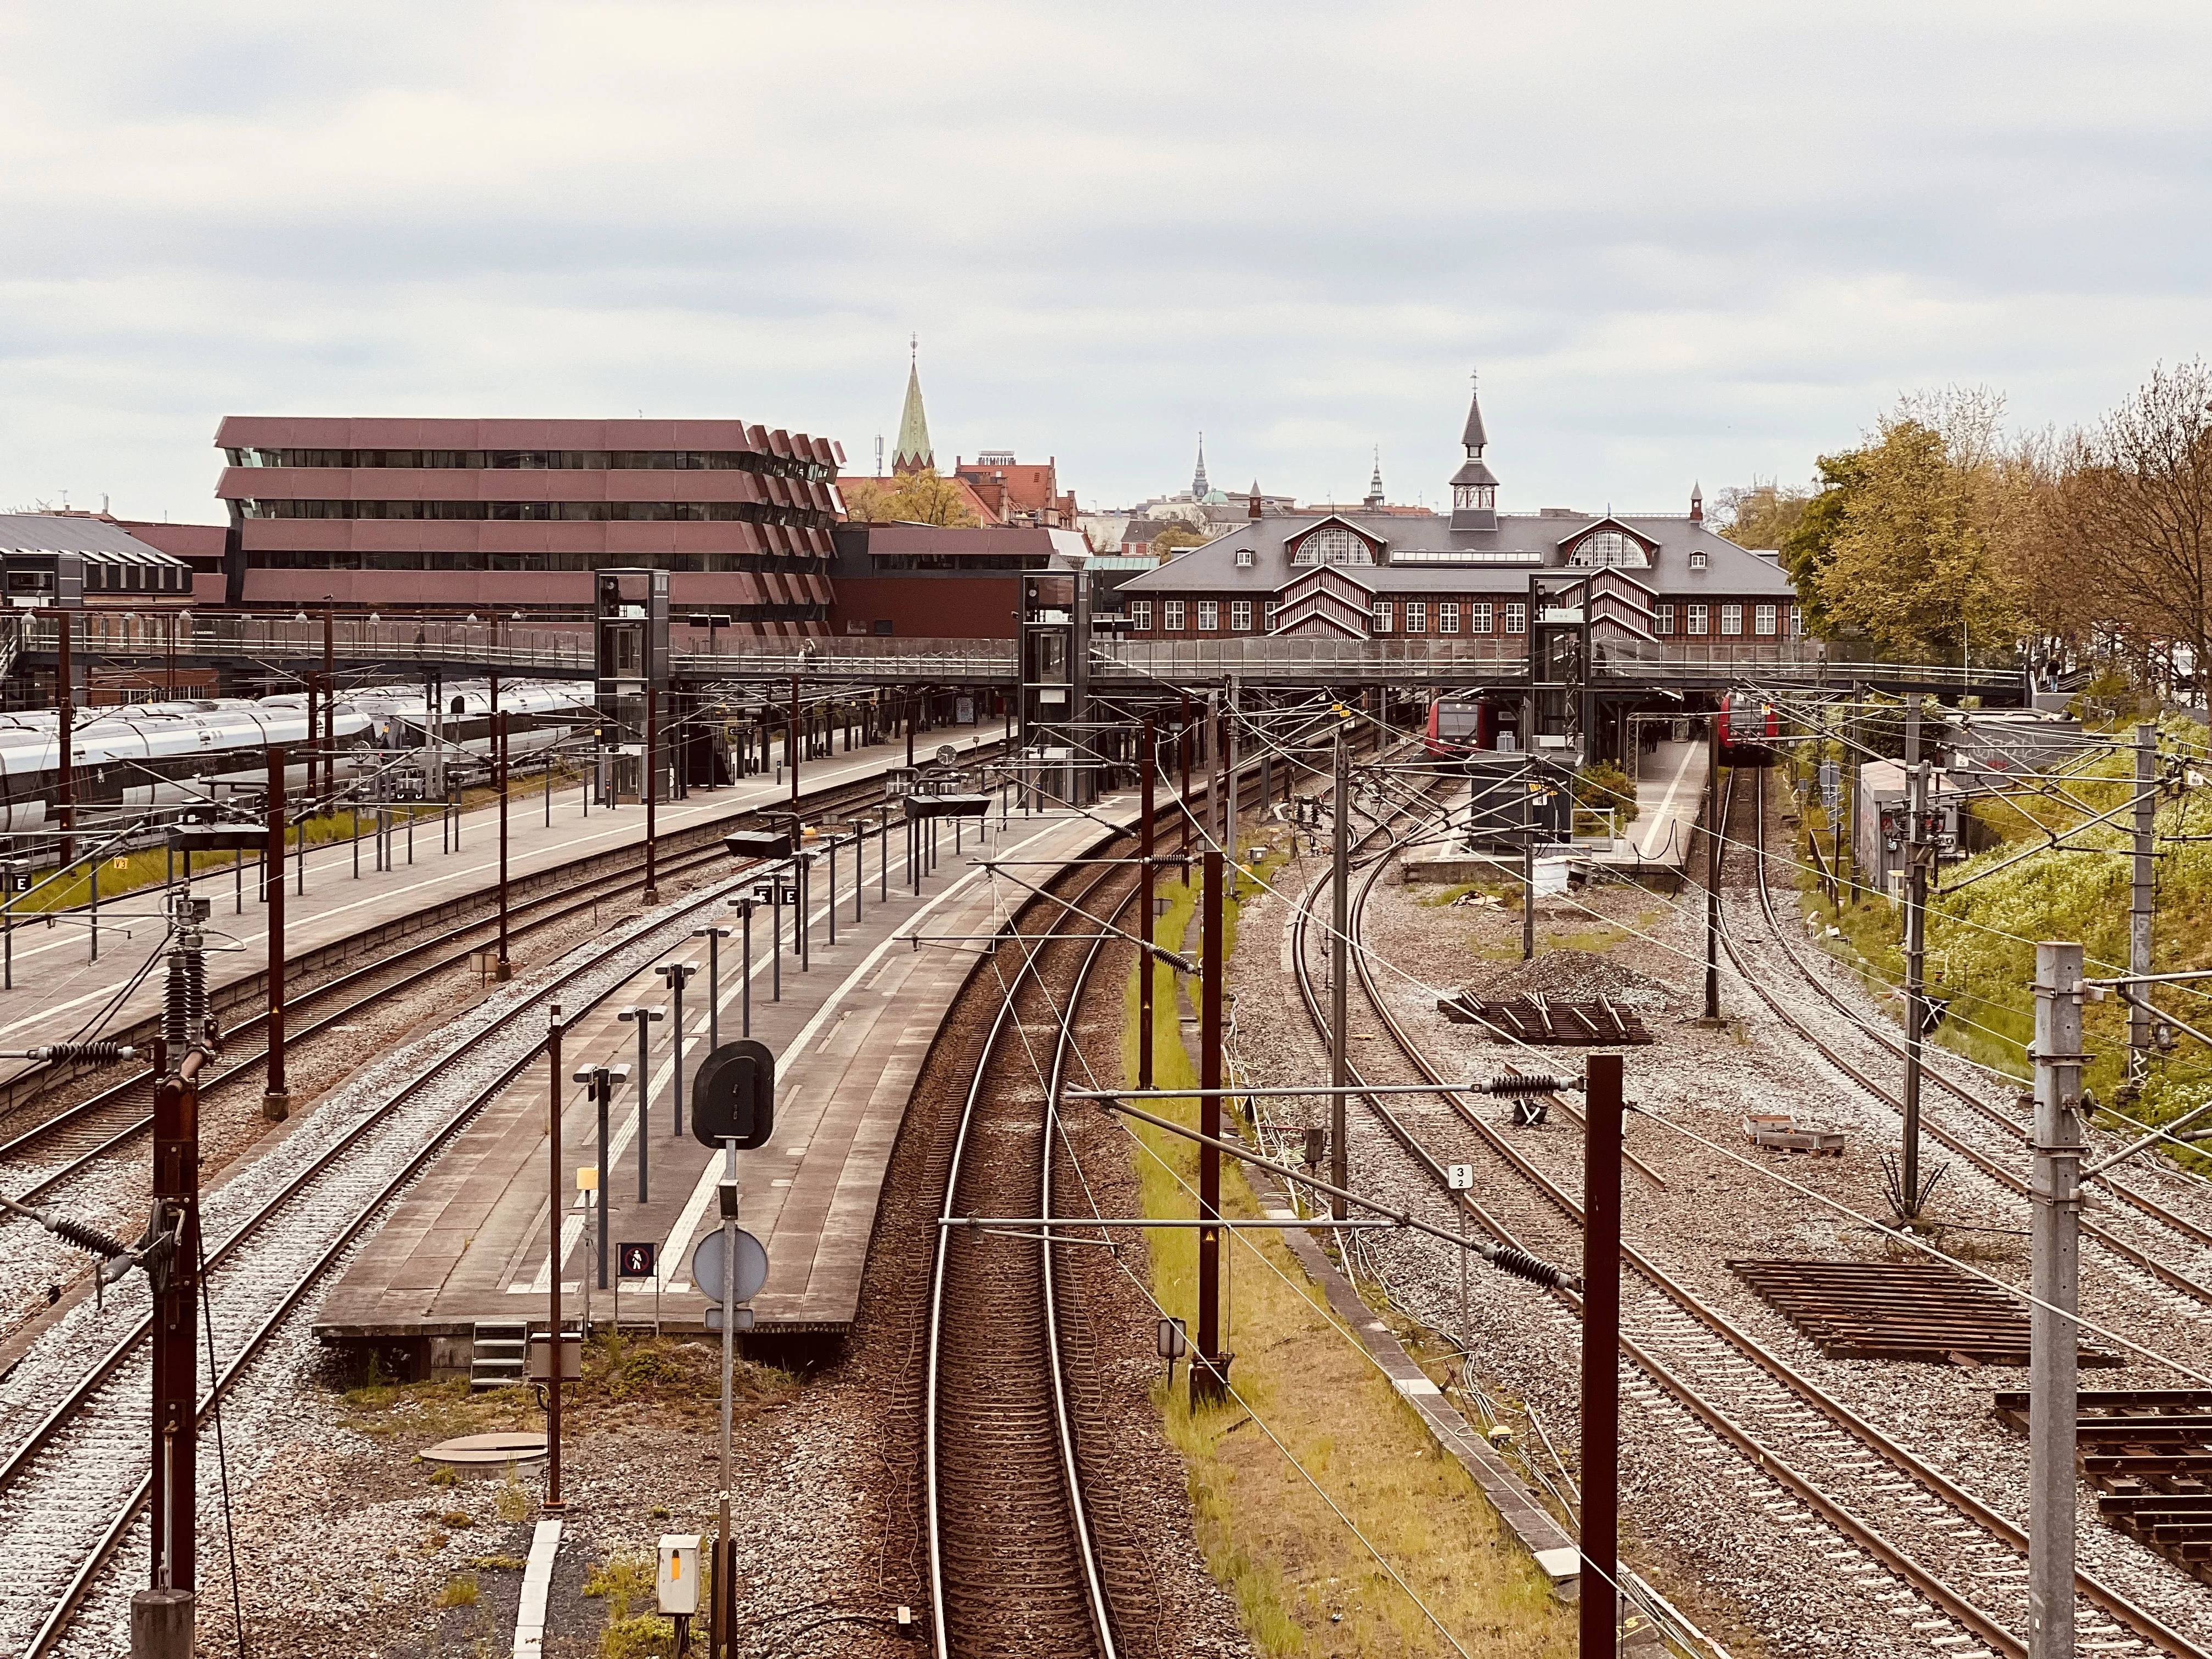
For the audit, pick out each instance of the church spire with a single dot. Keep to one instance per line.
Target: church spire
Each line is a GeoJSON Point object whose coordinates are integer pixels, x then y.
{"type": "Point", "coordinates": [1474, 486]}
{"type": "Point", "coordinates": [1199, 487]}
{"type": "Point", "coordinates": [913, 453]}
{"type": "Point", "coordinates": [1375, 484]}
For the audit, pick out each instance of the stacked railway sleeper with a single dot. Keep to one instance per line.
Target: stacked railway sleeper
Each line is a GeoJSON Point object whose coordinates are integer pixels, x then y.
{"type": "Point", "coordinates": [85, 1156]}
{"type": "Point", "coordinates": [2145, 1263]}
{"type": "Point", "coordinates": [1793, 1473]}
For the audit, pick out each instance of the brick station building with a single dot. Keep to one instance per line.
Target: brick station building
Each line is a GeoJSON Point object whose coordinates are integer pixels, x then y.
{"type": "Point", "coordinates": [1474, 575]}
{"type": "Point", "coordinates": [404, 516]}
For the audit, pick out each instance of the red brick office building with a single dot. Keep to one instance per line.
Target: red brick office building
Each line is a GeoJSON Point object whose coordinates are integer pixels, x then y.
{"type": "Point", "coordinates": [403, 516]}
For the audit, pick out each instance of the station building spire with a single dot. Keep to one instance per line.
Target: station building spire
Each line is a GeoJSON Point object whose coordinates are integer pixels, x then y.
{"type": "Point", "coordinates": [913, 453]}
{"type": "Point", "coordinates": [1474, 486]}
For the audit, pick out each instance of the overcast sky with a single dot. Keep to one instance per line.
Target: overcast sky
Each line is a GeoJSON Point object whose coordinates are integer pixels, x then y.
{"type": "Point", "coordinates": [1701, 242]}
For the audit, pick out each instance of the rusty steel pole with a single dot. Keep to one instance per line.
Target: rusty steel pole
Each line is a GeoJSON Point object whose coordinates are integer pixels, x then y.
{"type": "Point", "coordinates": [330, 709]}
{"type": "Point", "coordinates": [556, 1187]}
{"type": "Point", "coordinates": [277, 1097]}
{"type": "Point", "coordinates": [651, 792]}
{"type": "Point", "coordinates": [1209, 1377]}
{"type": "Point", "coordinates": [1601, 1414]}
{"type": "Point", "coordinates": [1182, 759]}
{"type": "Point", "coordinates": [1147, 980]}
{"type": "Point", "coordinates": [65, 712]}
{"type": "Point", "coordinates": [790, 743]}
{"type": "Point", "coordinates": [1714, 829]}
{"type": "Point", "coordinates": [505, 971]}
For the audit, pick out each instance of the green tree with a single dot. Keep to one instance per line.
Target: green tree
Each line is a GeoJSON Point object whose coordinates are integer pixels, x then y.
{"type": "Point", "coordinates": [1176, 537]}
{"type": "Point", "coordinates": [920, 497]}
{"type": "Point", "coordinates": [1915, 565]}
{"type": "Point", "coordinates": [1762, 514]}
{"type": "Point", "coordinates": [1809, 547]}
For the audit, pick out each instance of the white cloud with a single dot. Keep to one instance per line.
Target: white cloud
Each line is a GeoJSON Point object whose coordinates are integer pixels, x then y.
{"type": "Point", "coordinates": [1687, 243]}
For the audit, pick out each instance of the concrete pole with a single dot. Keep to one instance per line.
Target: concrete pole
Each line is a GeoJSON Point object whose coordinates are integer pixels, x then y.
{"type": "Point", "coordinates": [2056, 1283]}
{"type": "Point", "coordinates": [1210, 1375]}
{"type": "Point", "coordinates": [1229, 804]}
{"type": "Point", "coordinates": [1600, 1404]}
{"type": "Point", "coordinates": [1919, 852]}
{"type": "Point", "coordinates": [1339, 924]}
{"type": "Point", "coordinates": [2139, 898]}
{"type": "Point", "coordinates": [1147, 971]}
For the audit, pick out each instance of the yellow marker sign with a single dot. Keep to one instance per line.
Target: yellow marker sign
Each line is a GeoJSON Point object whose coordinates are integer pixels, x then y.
{"type": "Point", "coordinates": [587, 1178]}
{"type": "Point", "coordinates": [119, 864]}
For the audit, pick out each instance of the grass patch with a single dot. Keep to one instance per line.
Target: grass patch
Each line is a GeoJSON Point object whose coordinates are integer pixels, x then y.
{"type": "Point", "coordinates": [459, 1591]}
{"type": "Point", "coordinates": [623, 1580]}
{"type": "Point", "coordinates": [497, 1563]}
{"type": "Point", "coordinates": [640, 1636]}
{"type": "Point", "coordinates": [1981, 949]}
{"type": "Point", "coordinates": [1303, 1583]}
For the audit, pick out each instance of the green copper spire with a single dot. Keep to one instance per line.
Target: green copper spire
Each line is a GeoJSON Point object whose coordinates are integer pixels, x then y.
{"type": "Point", "coordinates": [913, 453]}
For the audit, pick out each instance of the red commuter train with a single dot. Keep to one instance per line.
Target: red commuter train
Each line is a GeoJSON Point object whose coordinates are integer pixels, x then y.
{"type": "Point", "coordinates": [1749, 728]}
{"type": "Point", "coordinates": [1460, 726]}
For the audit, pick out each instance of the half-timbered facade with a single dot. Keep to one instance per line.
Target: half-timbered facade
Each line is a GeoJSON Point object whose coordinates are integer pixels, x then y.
{"type": "Point", "coordinates": [1474, 574]}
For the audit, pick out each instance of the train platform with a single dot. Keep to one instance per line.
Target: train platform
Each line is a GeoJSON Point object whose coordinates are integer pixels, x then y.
{"type": "Point", "coordinates": [75, 979]}
{"type": "Point", "coordinates": [470, 1245]}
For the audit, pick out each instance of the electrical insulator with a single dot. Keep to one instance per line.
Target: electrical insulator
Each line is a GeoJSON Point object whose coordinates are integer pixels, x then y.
{"type": "Point", "coordinates": [1521, 1265]}
{"type": "Point", "coordinates": [1516, 1084]}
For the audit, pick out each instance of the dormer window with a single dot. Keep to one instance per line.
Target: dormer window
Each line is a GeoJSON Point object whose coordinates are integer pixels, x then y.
{"type": "Point", "coordinates": [1611, 549]}
{"type": "Point", "coordinates": [1697, 560]}
{"type": "Point", "coordinates": [1333, 544]}
{"type": "Point", "coordinates": [1243, 558]}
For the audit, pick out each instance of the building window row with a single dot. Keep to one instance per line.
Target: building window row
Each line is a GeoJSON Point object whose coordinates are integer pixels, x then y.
{"type": "Point", "coordinates": [547, 512]}
{"type": "Point", "coordinates": [1696, 620]}
{"type": "Point", "coordinates": [545, 460]}
{"type": "Point", "coordinates": [316, 558]}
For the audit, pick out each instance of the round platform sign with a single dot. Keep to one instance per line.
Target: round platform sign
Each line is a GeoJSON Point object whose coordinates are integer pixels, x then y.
{"type": "Point", "coordinates": [706, 1266]}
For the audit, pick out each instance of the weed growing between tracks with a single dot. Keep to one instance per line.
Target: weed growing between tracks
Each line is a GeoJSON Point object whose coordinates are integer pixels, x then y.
{"type": "Point", "coordinates": [1303, 1583]}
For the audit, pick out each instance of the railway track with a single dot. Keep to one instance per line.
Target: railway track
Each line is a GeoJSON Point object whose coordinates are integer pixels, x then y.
{"type": "Point", "coordinates": [92, 1133]}
{"type": "Point", "coordinates": [1015, 1562]}
{"type": "Point", "coordinates": [2188, 1235]}
{"type": "Point", "coordinates": [72, 1430]}
{"type": "Point", "coordinates": [1943, 1568]}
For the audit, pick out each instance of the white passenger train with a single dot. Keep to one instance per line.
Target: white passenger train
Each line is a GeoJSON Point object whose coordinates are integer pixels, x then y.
{"type": "Point", "coordinates": [151, 754]}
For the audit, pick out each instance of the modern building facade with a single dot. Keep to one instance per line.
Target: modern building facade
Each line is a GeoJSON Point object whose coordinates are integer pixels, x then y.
{"type": "Point", "coordinates": [457, 515]}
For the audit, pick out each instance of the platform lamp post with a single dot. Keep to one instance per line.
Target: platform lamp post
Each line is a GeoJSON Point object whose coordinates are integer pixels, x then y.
{"type": "Point", "coordinates": [679, 975]}
{"type": "Point", "coordinates": [713, 936]}
{"type": "Point", "coordinates": [643, 1016]}
{"type": "Point", "coordinates": [602, 1081]}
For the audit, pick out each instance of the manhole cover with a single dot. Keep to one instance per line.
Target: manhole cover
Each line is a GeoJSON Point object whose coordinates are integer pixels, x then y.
{"type": "Point", "coordinates": [511, 1447]}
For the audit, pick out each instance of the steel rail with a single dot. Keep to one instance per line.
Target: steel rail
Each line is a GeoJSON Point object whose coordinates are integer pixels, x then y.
{"type": "Point", "coordinates": [838, 797]}
{"type": "Point", "coordinates": [1924, 1579]}
{"type": "Point", "coordinates": [566, 903]}
{"type": "Point", "coordinates": [941, 1269]}
{"type": "Point", "coordinates": [2149, 1205]}
{"type": "Point", "coordinates": [17, 1460]}
{"type": "Point", "coordinates": [2133, 1255]}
